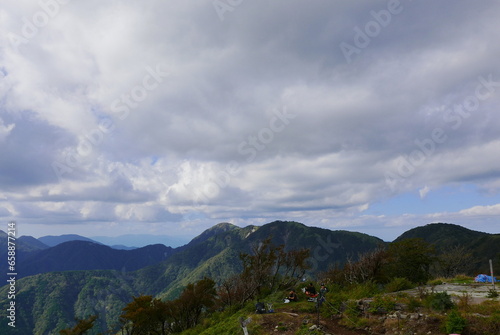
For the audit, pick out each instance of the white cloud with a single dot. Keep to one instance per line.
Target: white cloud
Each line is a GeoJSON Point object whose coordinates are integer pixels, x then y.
{"type": "Point", "coordinates": [492, 210]}
{"type": "Point", "coordinates": [423, 191]}
{"type": "Point", "coordinates": [5, 130]}
{"type": "Point", "coordinates": [168, 151]}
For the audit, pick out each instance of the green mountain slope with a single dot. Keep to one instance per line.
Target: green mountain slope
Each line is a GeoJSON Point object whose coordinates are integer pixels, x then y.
{"type": "Point", "coordinates": [443, 235]}
{"type": "Point", "coordinates": [446, 236]}
{"type": "Point", "coordinates": [47, 303]}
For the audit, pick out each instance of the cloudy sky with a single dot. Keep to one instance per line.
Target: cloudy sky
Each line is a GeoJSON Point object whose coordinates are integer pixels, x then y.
{"type": "Point", "coordinates": [165, 117]}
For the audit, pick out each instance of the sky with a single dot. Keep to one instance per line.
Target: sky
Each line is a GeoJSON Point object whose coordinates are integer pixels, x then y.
{"type": "Point", "coordinates": [161, 117]}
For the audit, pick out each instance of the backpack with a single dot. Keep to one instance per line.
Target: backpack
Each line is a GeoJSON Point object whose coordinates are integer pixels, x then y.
{"type": "Point", "coordinates": [260, 308]}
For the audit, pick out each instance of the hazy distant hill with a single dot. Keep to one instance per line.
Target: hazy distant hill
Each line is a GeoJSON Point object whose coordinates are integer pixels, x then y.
{"type": "Point", "coordinates": [52, 241]}
{"type": "Point", "coordinates": [140, 240]}
{"type": "Point", "coordinates": [25, 246]}
{"type": "Point", "coordinates": [23, 243]}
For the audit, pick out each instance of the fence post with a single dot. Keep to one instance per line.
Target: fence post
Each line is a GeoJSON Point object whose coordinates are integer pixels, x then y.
{"type": "Point", "coordinates": [492, 277]}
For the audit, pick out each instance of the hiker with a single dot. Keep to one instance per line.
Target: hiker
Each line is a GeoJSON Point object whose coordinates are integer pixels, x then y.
{"type": "Point", "coordinates": [311, 291]}
{"type": "Point", "coordinates": [292, 296]}
{"type": "Point", "coordinates": [322, 294]}
{"type": "Point", "coordinates": [322, 291]}
{"type": "Point", "coordinates": [260, 308]}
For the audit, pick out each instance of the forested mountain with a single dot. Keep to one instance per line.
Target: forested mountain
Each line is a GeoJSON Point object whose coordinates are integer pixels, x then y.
{"type": "Point", "coordinates": [443, 235]}
{"type": "Point", "coordinates": [49, 302]}
{"type": "Point", "coordinates": [457, 240]}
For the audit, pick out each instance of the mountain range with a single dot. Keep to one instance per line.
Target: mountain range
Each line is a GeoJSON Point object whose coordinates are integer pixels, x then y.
{"type": "Point", "coordinates": [125, 242]}
{"type": "Point", "coordinates": [107, 278]}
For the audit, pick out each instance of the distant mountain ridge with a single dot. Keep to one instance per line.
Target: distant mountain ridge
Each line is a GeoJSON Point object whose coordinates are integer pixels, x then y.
{"type": "Point", "coordinates": [140, 240]}
{"type": "Point", "coordinates": [86, 255]}
{"type": "Point", "coordinates": [127, 242]}
{"type": "Point", "coordinates": [52, 240]}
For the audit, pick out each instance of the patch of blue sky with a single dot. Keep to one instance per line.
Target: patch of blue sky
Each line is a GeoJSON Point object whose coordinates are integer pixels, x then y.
{"type": "Point", "coordinates": [445, 199]}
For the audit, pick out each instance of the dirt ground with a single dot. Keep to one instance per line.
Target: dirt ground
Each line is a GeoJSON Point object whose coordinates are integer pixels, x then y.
{"type": "Point", "coordinates": [284, 322]}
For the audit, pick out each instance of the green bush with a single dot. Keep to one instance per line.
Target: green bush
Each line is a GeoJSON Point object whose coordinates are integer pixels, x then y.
{"type": "Point", "coordinates": [413, 304]}
{"type": "Point", "coordinates": [364, 290]}
{"type": "Point", "coordinates": [398, 284]}
{"type": "Point", "coordinates": [492, 293]}
{"type": "Point", "coordinates": [439, 301]}
{"type": "Point", "coordinates": [382, 304]}
{"type": "Point", "coordinates": [436, 281]}
{"type": "Point", "coordinates": [454, 322]}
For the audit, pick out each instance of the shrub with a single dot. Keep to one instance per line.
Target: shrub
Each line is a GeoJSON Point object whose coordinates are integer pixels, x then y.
{"type": "Point", "coordinates": [351, 316]}
{"type": "Point", "coordinates": [492, 293]}
{"type": "Point", "coordinates": [454, 322]}
{"type": "Point", "coordinates": [364, 290]}
{"type": "Point", "coordinates": [436, 281]}
{"type": "Point", "coordinates": [440, 301]}
{"type": "Point", "coordinates": [413, 304]}
{"type": "Point", "coordinates": [382, 304]}
{"type": "Point", "coordinates": [465, 302]}
{"type": "Point", "coordinates": [398, 284]}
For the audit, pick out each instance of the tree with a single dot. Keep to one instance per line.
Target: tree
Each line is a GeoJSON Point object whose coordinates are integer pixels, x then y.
{"type": "Point", "coordinates": [187, 310]}
{"type": "Point", "coordinates": [266, 268]}
{"type": "Point", "coordinates": [456, 260]}
{"type": "Point", "coordinates": [368, 267]}
{"type": "Point", "coordinates": [411, 259]}
{"type": "Point", "coordinates": [82, 326]}
{"type": "Point", "coordinates": [145, 315]}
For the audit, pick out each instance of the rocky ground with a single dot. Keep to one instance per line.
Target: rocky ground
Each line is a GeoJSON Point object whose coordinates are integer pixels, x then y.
{"type": "Point", "coordinates": [478, 292]}
{"type": "Point", "coordinates": [288, 320]}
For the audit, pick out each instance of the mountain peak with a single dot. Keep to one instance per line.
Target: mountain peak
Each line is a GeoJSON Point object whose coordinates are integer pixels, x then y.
{"type": "Point", "coordinates": [214, 230]}
{"type": "Point", "coordinates": [442, 233]}
{"type": "Point", "coordinates": [223, 226]}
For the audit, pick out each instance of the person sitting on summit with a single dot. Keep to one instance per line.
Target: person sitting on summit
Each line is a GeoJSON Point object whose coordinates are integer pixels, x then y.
{"type": "Point", "coordinates": [292, 296]}
{"type": "Point", "coordinates": [311, 291]}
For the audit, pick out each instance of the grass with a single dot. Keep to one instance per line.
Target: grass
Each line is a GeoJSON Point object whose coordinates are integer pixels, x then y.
{"type": "Point", "coordinates": [458, 279]}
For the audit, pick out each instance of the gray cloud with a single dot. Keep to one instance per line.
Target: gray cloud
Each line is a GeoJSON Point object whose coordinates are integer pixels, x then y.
{"type": "Point", "coordinates": [155, 112]}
